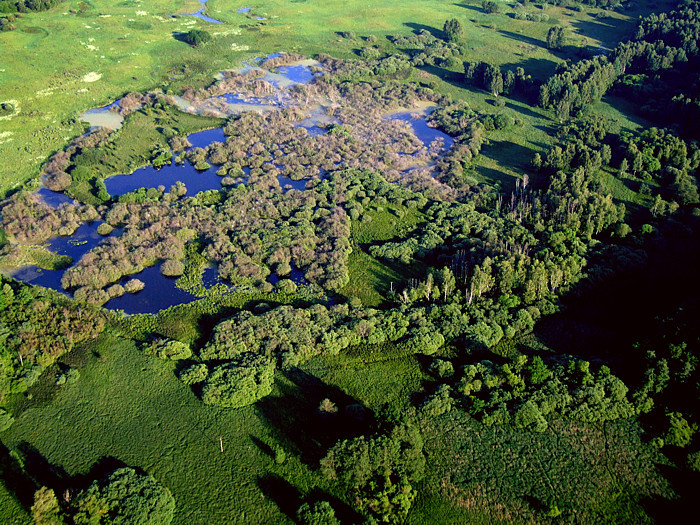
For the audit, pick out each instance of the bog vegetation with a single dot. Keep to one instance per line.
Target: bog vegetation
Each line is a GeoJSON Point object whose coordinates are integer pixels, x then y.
{"type": "Point", "coordinates": [494, 324]}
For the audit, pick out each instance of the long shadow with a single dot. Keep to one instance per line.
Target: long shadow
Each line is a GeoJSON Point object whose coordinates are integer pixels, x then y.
{"type": "Point", "coordinates": [295, 415]}
{"type": "Point", "coordinates": [684, 483]}
{"type": "Point", "coordinates": [26, 471]}
{"type": "Point", "coordinates": [451, 77]}
{"type": "Point", "coordinates": [517, 156]}
{"type": "Point", "coordinates": [523, 38]}
{"type": "Point", "coordinates": [417, 28]}
{"type": "Point", "coordinates": [15, 480]}
{"type": "Point", "coordinates": [471, 8]}
{"type": "Point", "coordinates": [344, 512]}
{"type": "Point", "coordinates": [285, 495]}
{"type": "Point", "coordinates": [604, 315]}
{"type": "Point", "coordinates": [524, 110]}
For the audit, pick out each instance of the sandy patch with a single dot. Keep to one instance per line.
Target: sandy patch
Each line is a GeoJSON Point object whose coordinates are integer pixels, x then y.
{"type": "Point", "coordinates": [44, 93]}
{"type": "Point", "coordinates": [141, 13]}
{"type": "Point", "coordinates": [91, 47]}
{"type": "Point", "coordinates": [239, 47]}
{"type": "Point", "coordinates": [92, 77]}
{"type": "Point", "coordinates": [5, 136]}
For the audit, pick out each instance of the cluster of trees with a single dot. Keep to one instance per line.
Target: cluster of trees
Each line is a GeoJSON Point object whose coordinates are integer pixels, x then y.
{"type": "Point", "coordinates": [197, 37]}
{"type": "Point", "coordinates": [380, 470]}
{"type": "Point", "coordinates": [662, 43]}
{"type": "Point", "coordinates": [36, 328]}
{"type": "Point", "coordinates": [26, 6]}
{"type": "Point", "coordinates": [498, 81]}
{"type": "Point", "coordinates": [27, 219]}
{"type": "Point", "coordinates": [660, 156]}
{"type": "Point", "coordinates": [425, 49]}
{"type": "Point", "coordinates": [670, 383]}
{"type": "Point", "coordinates": [122, 497]}
{"type": "Point", "coordinates": [525, 392]}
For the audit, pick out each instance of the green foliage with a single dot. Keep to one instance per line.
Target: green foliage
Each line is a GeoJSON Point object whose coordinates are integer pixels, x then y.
{"type": "Point", "coordinates": [124, 497]}
{"type": "Point", "coordinates": [555, 37]}
{"type": "Point", "coordinates": [680, 433]}
{"type": "Point", "coordinates": [197, 37]}
{"type": "Point", "coordinates": [319, 513]}
{"type": "Point", "coordinates": [526, 394]}
{"type": "Point", "coordinates": [6, 420]}
{"type": "Point", "coordinates": [46, 510]}
{"type": "Point", "coordinates": [454, 30]}
{"type": "Point", "coordinates": [194, 374]}
{"type": "Point", "coordinates": [169, 349]}
{"type": "Point", "coordinates": [380, 470]}
{"type": "Point", "coordinates": [239, 383]}
{"type": "Point", "coordinates": [68, 377]}
{"type": "Point", "coordinates": [491, 6]}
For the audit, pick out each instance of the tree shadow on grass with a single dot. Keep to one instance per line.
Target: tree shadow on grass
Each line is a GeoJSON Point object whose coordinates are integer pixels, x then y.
{"type": "Point", "coordinates": [684, 484]}
{"type": "Point", "coordinates": [294, 415]}
{"type": "Point", "coordinates": [25, 471]}
{"type": "Point", "coordinates": [21, 486]}
{"type": "Point", "coordinates": [523, 38]}
{"type": "Point", "coordinates": [417, 28]}
{"type": "Point", "coordinates": [285, 495]}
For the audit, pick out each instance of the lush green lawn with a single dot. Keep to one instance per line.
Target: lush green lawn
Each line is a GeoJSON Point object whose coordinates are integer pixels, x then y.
{"type": "Point", "coordinates": [58, 64]}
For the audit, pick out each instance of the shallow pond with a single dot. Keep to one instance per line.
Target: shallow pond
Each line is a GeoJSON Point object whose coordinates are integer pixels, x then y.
{"type": "Point", "coordinates": [103, 117]}
{"type": "Point", "coordinates": [288, 184]}
{"type": "Point", "coordinates": [160, 291]}
{"type": "Point", "coordinates": [150, 177]}
{"type": "Point", "coordinates": [425, 133]}
{"type": "Point", "coordinates": [296, 276]}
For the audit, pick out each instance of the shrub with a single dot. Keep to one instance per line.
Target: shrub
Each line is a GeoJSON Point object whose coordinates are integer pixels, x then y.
{"type": "Point", "coordinates": [320, 513]}
{"type": "Point", "coordinates": [454, 30]}
{"type": "Point", "coordinates": [172, 268]}
{"type": "Point", "coordinates": [194, 374]}
{"type": "Point", "coordinates": [104, 229]}
{"type": "Point", "coordinates": [239, 383]}
{"type": "Point", "coordinates": [197, 37]}
{"type": "Point", "coordinates": [6, 420]}
{"type": "Point", "coordinates": [46, 510]}
{"type": "Point", "coordinates": [125, 497]}
{"type": "Point", "coordinates": [169, 349]}
{"type": "Point", "coordinates": [134, 285]}
{"type": "Point", "coordinates": [442, 368]}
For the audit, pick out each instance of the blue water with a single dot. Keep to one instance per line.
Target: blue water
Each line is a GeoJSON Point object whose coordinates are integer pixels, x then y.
{"type": "Point", "coordinates": [82, 241]}
{"type": "Point", "coordinates": [313, 130]}
{"type": "Point", "coordinates": [160, 293]}
{"type": "Point", "coordinates": [232, 98]}
{"type": "Point", "coordinates": [202, 139]}
{"type": "Point", "coordinates": [296, 275]}
{"type": "Point", "coordinates": [295, 184]}
{"type": "Point", "coordinates": [300, 73]}
{"type": "Point", "coordinates": [150, 177]}
{"type": "Point", "coordinates": [244, 9]}
{"type": "Point", "coordinates": [425, 133]}
{"type": "Point", "coordinates": [200, 14]}
{"type": "Point", "coordinates": [54, 198]}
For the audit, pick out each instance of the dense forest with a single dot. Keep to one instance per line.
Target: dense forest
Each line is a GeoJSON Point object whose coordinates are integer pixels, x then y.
{"type": "Point", "coordinates": [396, 338]}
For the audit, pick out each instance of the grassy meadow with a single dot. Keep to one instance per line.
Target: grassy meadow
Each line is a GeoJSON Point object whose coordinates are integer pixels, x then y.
{"type": "Point", "coordinates": [81, 55]}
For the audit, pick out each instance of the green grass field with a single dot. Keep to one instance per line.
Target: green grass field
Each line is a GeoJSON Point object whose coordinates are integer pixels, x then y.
{"type": "Point", "coordinates": [83, 55]}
